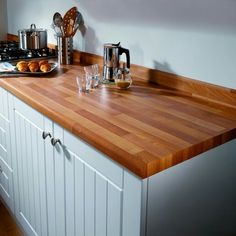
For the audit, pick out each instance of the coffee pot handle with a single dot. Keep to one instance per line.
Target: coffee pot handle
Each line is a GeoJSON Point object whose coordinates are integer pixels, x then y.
{"type": "Point", "coordinates": [126, 51]}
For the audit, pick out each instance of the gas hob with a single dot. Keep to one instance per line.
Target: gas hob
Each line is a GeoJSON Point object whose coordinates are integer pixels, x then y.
{"type": "Point", "coordinates": [10, 51]}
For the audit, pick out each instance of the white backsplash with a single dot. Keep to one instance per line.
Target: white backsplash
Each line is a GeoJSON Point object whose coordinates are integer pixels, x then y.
{"type": "Point", "coordinates": [196, 39]}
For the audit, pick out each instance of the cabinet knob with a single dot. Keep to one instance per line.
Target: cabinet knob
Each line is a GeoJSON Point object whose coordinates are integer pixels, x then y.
{"type": "Point", "coordinates": [54, 141]}
{"type": "Point", "coordinates": [45, 134]}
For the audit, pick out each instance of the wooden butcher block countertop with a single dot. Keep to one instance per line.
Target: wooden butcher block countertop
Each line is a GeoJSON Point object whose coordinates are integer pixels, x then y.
{"type": "Point", "coordinates": [146, 129]}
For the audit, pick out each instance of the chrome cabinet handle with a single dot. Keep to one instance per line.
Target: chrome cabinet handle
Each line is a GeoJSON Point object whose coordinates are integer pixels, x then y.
{"type": "Point", "coordinates": [45, 134]}
{"type": "Point", "coordinates": [1, 169]}
{"type": "Point", "coordinates": [54, 141]}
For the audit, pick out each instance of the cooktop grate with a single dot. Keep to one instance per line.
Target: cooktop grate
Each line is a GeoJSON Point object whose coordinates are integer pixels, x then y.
{"type": "Point", "coordinates": [10, 51]}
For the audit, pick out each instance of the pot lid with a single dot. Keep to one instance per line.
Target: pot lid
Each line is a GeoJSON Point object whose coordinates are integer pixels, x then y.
{"type": "Point", "coordinates": [32, 29]}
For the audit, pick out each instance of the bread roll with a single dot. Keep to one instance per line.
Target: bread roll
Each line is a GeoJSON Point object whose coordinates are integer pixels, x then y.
{"type": "Point", "coordinates": [33, 66]}
{"type": "Point", "coordinates": [23, 66]}
{"type": "Point", "coordinates": [19, 63]}
{"type": "Point", "coordinates": [43, 62]}
{"type": "Point", "coordinates": [31, 62]}
{"type": "Point", "coordinates": [45, 67]}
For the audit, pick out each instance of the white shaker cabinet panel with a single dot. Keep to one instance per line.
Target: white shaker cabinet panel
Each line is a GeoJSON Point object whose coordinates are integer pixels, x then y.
{"type": "Point", "coordinates": [97, 160]}
{"type": "Point", "coordinates": [6, 178]}
{"type": "Point", "coordinates": [55, 162]}
{"type": "Point", "coordinates": [6, 185]}
{"type": "Point", "coordinates": [5, 142]}
{"type": "Point", "coordinates": [4, 110]}
{"type": "Point", "coordinates": [31, 201]}
{"type": "Point", "coordinates": [93, 202]}
{"type": "Point", "coordinates": [102, 198]}
{"type": "Point", "coordinates": [6, 172]}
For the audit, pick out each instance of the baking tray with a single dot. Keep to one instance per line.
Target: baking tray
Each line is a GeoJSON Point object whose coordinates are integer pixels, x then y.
{"type": "Point", "coordinates": [8, 68]}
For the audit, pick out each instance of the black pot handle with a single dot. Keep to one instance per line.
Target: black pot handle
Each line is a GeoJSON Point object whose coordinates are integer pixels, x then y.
{"type": "Point", "coordinates": [126, 51]}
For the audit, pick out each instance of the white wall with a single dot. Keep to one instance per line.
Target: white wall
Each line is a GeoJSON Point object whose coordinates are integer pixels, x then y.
{"type": "Point", "coordinates": [192, 38]}
{"type": "Point", "coordinates": [3, 19]}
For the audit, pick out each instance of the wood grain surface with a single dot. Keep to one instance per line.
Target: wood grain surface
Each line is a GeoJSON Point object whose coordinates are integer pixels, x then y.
{"type": "Point", "coordinates": [192, 86]}
{"type": "Point", "coordinates": [147, 128]}
{"type": "Point", "coordinates": [8, 226]}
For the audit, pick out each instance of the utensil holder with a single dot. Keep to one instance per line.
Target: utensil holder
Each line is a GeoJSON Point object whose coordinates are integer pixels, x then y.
{"type": "Point", "coordinates": [65, 50]}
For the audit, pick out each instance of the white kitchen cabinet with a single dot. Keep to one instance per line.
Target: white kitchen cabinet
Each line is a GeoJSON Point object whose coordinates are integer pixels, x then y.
{"type": "Point", "coordinates": [69, 188]}
{"type": "Point", "coordinates": [95, 206]}
{"type": "Point", "coordinates": [30, 179]}
{"type": "Point", "coordinates": [6, 177]}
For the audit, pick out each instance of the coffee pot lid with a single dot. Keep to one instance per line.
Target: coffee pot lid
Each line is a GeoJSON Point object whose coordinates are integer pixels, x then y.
{"type": "Point", "coordinates": [112, 45]}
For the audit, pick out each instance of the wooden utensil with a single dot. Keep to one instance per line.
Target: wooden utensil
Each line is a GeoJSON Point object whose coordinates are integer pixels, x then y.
{"type": "Point", "coordinates": [78, 21]}
{"type": "Point", "coordinates": [69, 21]}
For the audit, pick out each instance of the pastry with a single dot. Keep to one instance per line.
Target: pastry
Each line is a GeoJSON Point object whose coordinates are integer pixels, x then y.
{"type": "Point", "coordinates": [45, 67]}
{"type": "Point", "coordinates": [30, 62]}
{"type": "Point", "coordinates": [33, 66]}
{"type": "Point", "coordinates": [19, 63]}
{"type": "Point", "coordinates": [23, 66]}
{"type": "Point", "coordinates": [42, 62]}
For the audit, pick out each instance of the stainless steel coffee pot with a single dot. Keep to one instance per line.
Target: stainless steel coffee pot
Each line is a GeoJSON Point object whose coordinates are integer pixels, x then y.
{"type": "Point", "coordinates": [111, 60]}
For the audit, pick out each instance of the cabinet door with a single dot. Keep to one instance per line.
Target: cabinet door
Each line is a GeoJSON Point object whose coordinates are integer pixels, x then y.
{"type": "Point", "coordinates": [93, 198]}
{"type": "Point", "coordinates": [55, 187]}
{"type": "Point", "coordinates": [6, 180]}
{"type": "Point", "coordinates": [31, 199]}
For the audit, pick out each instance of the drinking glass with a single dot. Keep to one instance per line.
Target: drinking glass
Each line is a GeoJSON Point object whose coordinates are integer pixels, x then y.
{"type": "Point", "coordinates": [92, 72]}
{"type": "Point", "coordinates": [84, 83]}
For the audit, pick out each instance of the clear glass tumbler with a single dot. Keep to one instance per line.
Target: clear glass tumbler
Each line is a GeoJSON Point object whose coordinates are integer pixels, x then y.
{"type": "Point", "coordinates": [92, 72]}
{"type": "Point", "coordinates": [84, 83]}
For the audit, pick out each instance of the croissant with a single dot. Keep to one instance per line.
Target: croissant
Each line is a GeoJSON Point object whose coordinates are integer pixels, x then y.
{"type": "Point", "coordinates": [19, 63]}
{"type": "Point", "coordinates": [31, 62]}
{"type": "Point", "coordinates": [23, 66]}
{"type": "Point", "coordinates": [33, 66]}
{"type": "Point", "coordinates": [42, 62]}
{"type": "Point", "coordinates": [45, 67]}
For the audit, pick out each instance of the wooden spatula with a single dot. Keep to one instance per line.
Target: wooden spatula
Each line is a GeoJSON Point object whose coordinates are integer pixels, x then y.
{"type": "Point", "coordinates": [69, 21]}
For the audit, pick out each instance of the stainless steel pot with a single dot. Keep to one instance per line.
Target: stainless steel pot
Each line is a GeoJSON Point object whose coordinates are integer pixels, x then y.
{"type": "Point", "coordinates": [32, 38]}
